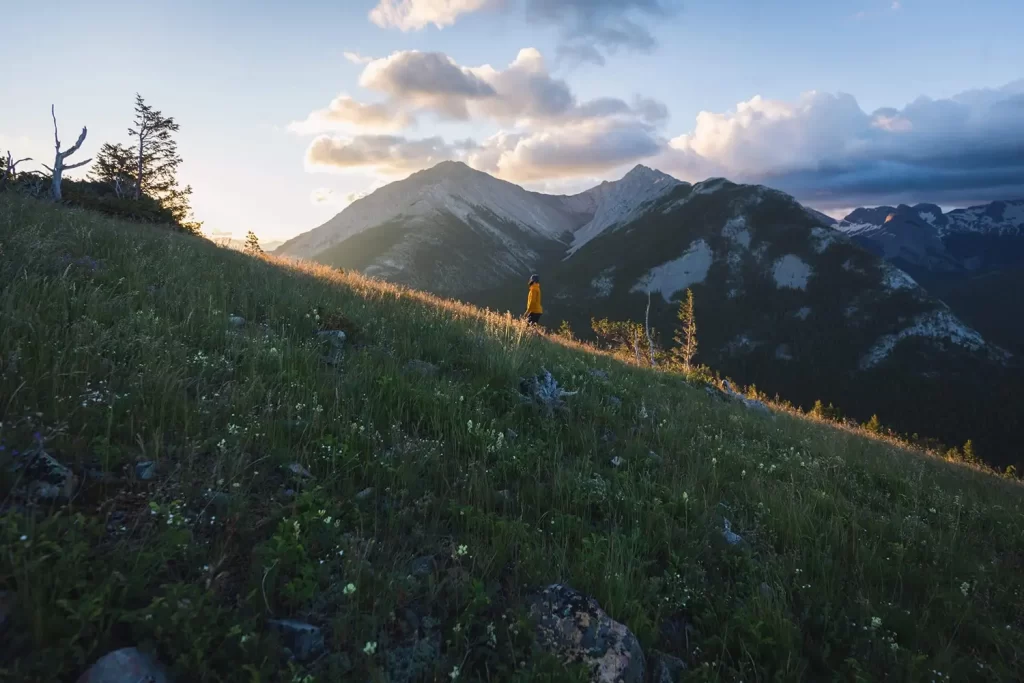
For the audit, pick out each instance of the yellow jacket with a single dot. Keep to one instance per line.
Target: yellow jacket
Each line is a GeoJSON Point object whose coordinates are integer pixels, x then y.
{"type": "Point", "coordinates": [533, 300]}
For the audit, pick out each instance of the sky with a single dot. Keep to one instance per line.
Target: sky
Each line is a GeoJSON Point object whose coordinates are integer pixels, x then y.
{"type": "Point", "coordinates": [290, 111]}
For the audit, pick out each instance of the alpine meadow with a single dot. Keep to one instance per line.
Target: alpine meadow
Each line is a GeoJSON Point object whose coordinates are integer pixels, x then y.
{"type": "Point", "coordinates": [511, 341]}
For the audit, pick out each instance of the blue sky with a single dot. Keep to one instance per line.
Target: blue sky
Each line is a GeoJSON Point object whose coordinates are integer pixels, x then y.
{"type": "Point", "coordinates": [236, 75]}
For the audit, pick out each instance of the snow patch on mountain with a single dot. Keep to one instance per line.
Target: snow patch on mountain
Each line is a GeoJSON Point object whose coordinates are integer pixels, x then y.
{"type": "Point", "coordinates": [938, 324]}
{"type": "Point", "coordinates": [709, 186]}
{"type": "Point", "coordinates": [803, 313]}
{"type": "Point", "coordinates": [618, 202]}
{"type": "Point", "coordinates": [894, 278]}
{"type": "Point", "coordinates": [676, 275]}
{"type": "Point", "coordinates": [791, 272]}
{"type": "Point", "coordinates": [825, 238]}
{"type": "Point", "coordinates": [736, 230]}
{"type": "Point", "coordinates": [603, 283]}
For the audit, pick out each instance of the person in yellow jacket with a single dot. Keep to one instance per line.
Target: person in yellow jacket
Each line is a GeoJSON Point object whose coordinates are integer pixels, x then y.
{"type": "Point", "coordinates": [533, 307]}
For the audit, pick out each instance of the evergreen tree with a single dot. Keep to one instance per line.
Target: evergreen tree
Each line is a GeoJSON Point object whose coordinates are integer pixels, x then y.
{"type": "Point", "coordinates": [874, 425]}
{"type": "Point", "coordinates": [969, 454]}
{"type": "Point", "coordinates": [686, 334]}
{"type": "Point", "coordinates": [114, 165]}
{"type": "Point", "coordinates": [252, 245]}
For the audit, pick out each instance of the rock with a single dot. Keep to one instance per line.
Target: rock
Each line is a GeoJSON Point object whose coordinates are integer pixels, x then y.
{"type": "Point", "coordinates": [766, 591]}
{"type": "Point", "coordinates": [413, 662]}
{"type": "Point", "coordinates": [6, 607]}
{"type": "Point", "coordinates": [665, 668]}
{"type": "Point", "coordinates": [47, 478]}
{"type": "Point", "coordinates": [654, 458]}
{"type": "Point", "coordinates": [145, 470]}
{"type": "Point", "coordinates": [236, 321]}
{"type": "Point", "coordinates": [757, 406]}
{"type": "Point", "coordinates": [127, 665]}
{"type": "Point", "coordinates": [365, 493]}
{"type": "Point", "coordinates": [219, 500]}
{"type": "Point", "coordinates": [511, 434]}
{"type": "Point", "coordinates": [618, 461]}
{"type": "Point", "coordinates": [422, 566]}
{"type": "Point", "coordinates": [336, 339]}
{"type": "Point", "coordinates": [675, 632]}
{"type": "Point", "coordinates": [299, 471]}
{"type": "Point", "coordinates": [615, 401]}
{"type": "Point", "coordinates": [544, 391]}
{"type": "Point", "coordinates": [288, 494]}
{"type": "Point", "coordinates": [599, 374]}
{"type": "Point", "coordinates": [303, 640]}
{"type": "Point", "coordinates": [574, 628]}
{"type": "Point", "coordinates": [727, 533]}
{"type": "Point", "coordinates": [422, 367]}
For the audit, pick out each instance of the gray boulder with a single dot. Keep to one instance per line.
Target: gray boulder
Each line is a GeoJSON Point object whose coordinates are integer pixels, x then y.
{"type": "Point", "coordinates": [574, 628]}
{"type": "Point", "coordinates": [335, 340]}
{"type": "Point", "coordinates": [45, 477]}
{"type": "Point", "coordinates": [303, 640]}
{"type": "Point", "coordinates": [665, 668]}
{"type": "Point", "coordinates": [127, 665]}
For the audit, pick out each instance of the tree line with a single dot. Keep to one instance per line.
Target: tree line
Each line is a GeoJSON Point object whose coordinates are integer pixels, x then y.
{"type": "Point", "coordinates": [137, 179]}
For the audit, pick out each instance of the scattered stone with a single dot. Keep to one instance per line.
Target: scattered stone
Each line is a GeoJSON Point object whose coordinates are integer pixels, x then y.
{"type": "Point", "coordinates": [219, 500]}
{"type": "Point", "coordinates": [422, 367]}
{"type": "Point", "coordinates": [665, 668]}
{"type": "Point", "coordinates": [101, 477]}
{"type": "Point", "coordinates": [336, 339]}
{"type": "Point", "coordinates": [757, 406]}
{"type": "Point", "coordinates": [145, 470]}
{"type": "Point", "coordinates": [511, 434]}
{"type": "Point", "coordinates": [422, 566]}
{"type": "Point", "coordinates": [414, 662]}
{"type": "Point", "coordinates": [365, 493]}
{"type": "Point", "coordinates": [505, 496]}
{"type": "Point", "coordinates": [574, 628]}
{"type": "Point", "coordinates": [766, 591]}
{"type": "Point", "coordinates": [46, 478]}
{"type": "Point", "coordinates": [544, 391]}
{"type": "Point", "coordinates": [236, 321]}
{"type": "Point", "coordinates": [675, 632]}
{"type": "Point", "coordinates": [615, 401]}
{"type": "Point", "coordinates": [618, 461]}
{"type": "Point", "coordinates": [608, 436]}
{"type": "Point", "coordinates": [127, 665]}
{"type": "Point", "coordinates": [727, 533]}
{"type": "Point", "coordinates": [655, 458]}
{"type": "Point", "coordinates": [6, 607]}
{"type": "Point", "coordinates": [303, 640]}
{"type": "Point", "coordinates": [599, 374]}
{"type": "Point", "coordinates": [288, 493]}
{"type": "Point", "coordinates": [299, 471]}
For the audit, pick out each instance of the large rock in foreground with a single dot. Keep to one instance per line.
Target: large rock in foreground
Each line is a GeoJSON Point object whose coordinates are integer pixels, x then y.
{"type": "Point", "coordinates": [574, 628]}
{"type": "Point", "coordinates": [127, 665]}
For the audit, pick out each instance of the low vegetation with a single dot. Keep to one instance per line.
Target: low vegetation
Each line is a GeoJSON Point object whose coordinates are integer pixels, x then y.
{"type": "Point", "coordinates": [237, 460]}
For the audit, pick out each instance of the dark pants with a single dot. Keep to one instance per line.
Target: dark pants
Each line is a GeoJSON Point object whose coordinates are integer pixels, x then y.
{"type": "Point", "coordinates": [533, 318]}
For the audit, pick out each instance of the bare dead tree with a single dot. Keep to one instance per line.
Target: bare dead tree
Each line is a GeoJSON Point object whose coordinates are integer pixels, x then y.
{"type": "Point", "coordinates": [646, 326]}
{"type": "Point", "coordinates": [59, 167]}
{"type": "Point", "coordinates": [9, 168]}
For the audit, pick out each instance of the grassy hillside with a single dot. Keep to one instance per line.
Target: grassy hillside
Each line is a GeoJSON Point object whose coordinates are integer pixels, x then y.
{"type": "Point", "coordinates": [436, 499]}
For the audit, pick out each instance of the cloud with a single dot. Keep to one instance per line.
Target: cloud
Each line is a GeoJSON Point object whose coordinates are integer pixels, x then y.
{"type": "Point", "coordinates": [588, 147]}
{"type": "Point", "coordinates": [524, 92]}
{"type": "Point", "coordinates": [344, 112]}
{"type": "Point", "coordinates": [825, 149]}
{"type": "Point", "coordinates": [413, 15]}
{"type": "Point", "coordinates": [325, 196]}
{"type": "Point", "coordinates": [588, 28]}
{"type": "Point", "coordinates": [357, 58]}
{"type": "Point", "coordinates": [387, 154]}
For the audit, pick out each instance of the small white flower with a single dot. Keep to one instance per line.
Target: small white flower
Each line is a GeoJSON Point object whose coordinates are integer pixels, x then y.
{"type": "Point", "coordinates": [370, 648]}
{"type": "Point", "coordinates": [743, 473]}
{"type": "Point", "coordinates": [349, 589]}
{"type": "Point", "coordinates": [24, 537]}
{"type": "Point", "coordinates": [714, 461]}
{"type": "Point", "coordinates": [462, 550]}
{"type": "Point", "coordinates": [876, 622]}
{"type": "Point", "coordinates": [454, 675]}
{"type": "Point", "coordinates": [965, 588]}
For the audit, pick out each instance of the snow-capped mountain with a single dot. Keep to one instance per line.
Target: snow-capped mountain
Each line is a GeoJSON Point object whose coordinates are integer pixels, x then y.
{"type": "Point", "coordinates": [616, 203]}
{"type": "Point", "coordinates": [454, 229]}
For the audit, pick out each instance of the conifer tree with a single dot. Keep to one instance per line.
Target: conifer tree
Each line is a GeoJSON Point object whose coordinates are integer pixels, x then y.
{"type": "Point", "coordinates": [686, 334]}
{"type": "Point", "coordinates": [874, 425]}
{"type": "Point", "coordinates": [252, 245]}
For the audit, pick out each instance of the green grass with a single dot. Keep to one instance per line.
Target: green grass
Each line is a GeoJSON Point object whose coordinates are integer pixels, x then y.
{"type": "Point", "coordinates": [861, 561]}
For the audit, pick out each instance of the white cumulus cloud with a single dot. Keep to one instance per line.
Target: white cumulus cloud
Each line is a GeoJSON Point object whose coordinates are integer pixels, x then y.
{"type": "Point", "coordinates": [413, 15]}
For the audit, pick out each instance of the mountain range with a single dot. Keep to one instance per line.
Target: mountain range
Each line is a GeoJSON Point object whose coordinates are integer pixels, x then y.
{"type": "Point", "coordinates": [787, 298]}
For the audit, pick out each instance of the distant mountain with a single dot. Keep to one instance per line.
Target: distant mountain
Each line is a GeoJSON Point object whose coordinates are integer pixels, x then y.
{"type": "Point", "coordinates": [784, 300]}
{"type": "Point", "coordinates": [237, 244]}
{"type": "Point", "coordinates": [970, 258]}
